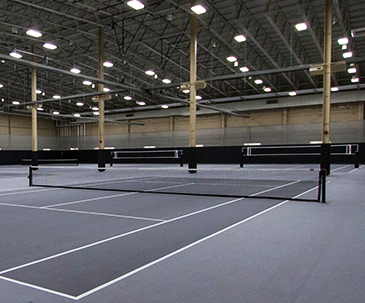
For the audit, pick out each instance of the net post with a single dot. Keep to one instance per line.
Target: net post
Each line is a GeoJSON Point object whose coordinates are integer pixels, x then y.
{"type": "Point", "coordinates": [112, 155]}
{"type": "Point", "coordinates": [101, 161]}
{"type": "Point", "coordinates": [322, 186]}
{"type": "Point", "coordinates": [326, 158]}
{"type": "Point", "coordinates": [30, 176]}
{"type": "Point", "coordinates": [193, 166]}
{"type": "Point", "coordinates": [357, 159]}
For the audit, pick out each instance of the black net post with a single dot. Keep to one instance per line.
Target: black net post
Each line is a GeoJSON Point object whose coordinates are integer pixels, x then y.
{"type": "Point", "coordinates": [112, 155]}
{"type": "Point", "coordinates": [324, 176]}
{"type": "Point", "coordinates": [357, 159]}
{"type": "Point", "coordinates": [34, 158]}
{"type": "Point", "coordinates": [30, 176]}
{"type": "Point", "coordinates": [193, 166]}
{"type": "Point", "coordinates": [326, 158]}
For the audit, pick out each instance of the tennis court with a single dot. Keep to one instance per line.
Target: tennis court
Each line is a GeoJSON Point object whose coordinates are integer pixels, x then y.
{"type": "Point", "coordinates": [70, 244]}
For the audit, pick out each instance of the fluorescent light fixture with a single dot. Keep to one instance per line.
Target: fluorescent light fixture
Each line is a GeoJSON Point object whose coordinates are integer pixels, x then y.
{"type": "Point", "coordinates": [231, 59]}
{"type": "Point", "coordinates": [108, 64]}
{"type": "Point", "coordinates": [334, 89]}
{"type": "Point", "coordinates": [77, 115]}
{"type": "Point", "coordinates": [292, 94]}
{"type": "Point", "coordinates": [347, 55]}
{"type": "Point", "coordinates": [95, 108]}
{"type": "Point", "coordinates": [79, 104]}
{"type": "Point", "coordinates": [40, 108]}
{"type": "Point", "coordinates": [34, 33]}
{"type": "Point", "coordinates": [315, 142]}
{"type": "Point", "coordinates": [149, 72]}
{"type": "Point", "coordinates": [56, 97]}
{"type": "Point", "coordinates": [156, 76]}
{"type": "Point", "coordinates": [1, 85]}
{"type": "Point", "coordinates": [198, 9]}
{"type": "Point", "coordinates": [96, 113]}
{"type": "Point", "coordinates": [198, 97]}
{"type": "Point", "coordinates": [87, 82]}
{"type": "Point", "coordinates": [46, 149]}
{"type": "Point", "coordinates": [49, 46]}
{"type": "Point", "coordinates": [164, 106]}
{"type": "Point", "coordinates": [267, 89]}
{"type": "Point", "coordinates": [75, 70]}
{"type": "Point", "coordinates": [252, 144]}
{"type": "Point", "coordinates": [16, 55]}
{"type": "Point", "coordinates": [301, 27]}
{"type": "Point", "coordinates": [344, 47]}
{"type": "Point", "coordinates": [235, 64]}
{"type": "Point", "coordinates": [244, 69]}
{"type": "Point", "coordinates": [38, 91]}
{"type": "Point", "coordinates": [56, 113]}
{"type": "Point", "coordinates": [355, 80]}
{"type": "Point", "coordinates": [135, 4]}
{"type": "Point", "coordinates": [15, 102]}
{"type": "Point", "coordinates": [106, 89]}
{"type": "Point", "coordinates": [343, 41]}
{"type": "Point", "coordinates": [149, 146]}
{"type": "Point", "coordinates": [127, 98]}
{"type": "Point", "coordinates": [352, 70]}
{"type": "Point", "coordinates": [166, 81]}
{"type": "Point", "coordinates": [199, 145]}
{"type": "Point", "coordinates": [186, 91]}
{"type": "Point", "coordinates": [258, 81]}
{"type": "Point", "coordinates": [240, 38]}
{"type": "Point", "coordinates": [141, 103]}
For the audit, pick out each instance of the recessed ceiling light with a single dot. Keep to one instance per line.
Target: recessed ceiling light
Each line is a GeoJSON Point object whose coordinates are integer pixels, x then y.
{"type": "Point", "coordinates": [164, 106]}
{"type": "Point", "coordinates": [198, 97]}
{"type": "Point", "coordinates": [108, 64]}
{"type": "Point", "coordinates": [334, 89]}
{"type": "Point", "coordinates": [343, 41]}
{"type": "Point", "coordinates": [240, 38]}
{"type": "Point", "coordinates": [352, 70]}
{"type": "Point", "coordinates": [127, 98]}
{"type": "Point", "coordinates": [14, 54]}
{"type": "Point", "coordinates": [75, 70]}
{"type": "Point", "coordinates": [347, 55]}
{"type": "Point", "coordinates": [258, 81]}
{"type": "Point", "coordinates": [355, 80]}
{"type": "Point", "coordinates": [95, 108]}
{"type": "Point", "coordinates": [106, 89]}
{"type": "Point", "coordinates": [166, 81]}
{"type": "Point", "coordinates": [244, 69]}
{"type": "Point", "coordinates": [232, 59]}
{"type": "Point", "coordinates": [34, 33]}
{"type": "Point", "coordinates": [1, 85]}
{"type": "Point", "coordinates": [16, 102]}
{"type": "Point", "coordinates": [141, 103]}
{"type": "Point", "coordinates": [135, 4]}
{"type": "Point", "coordinates": [87, 82]}
{"type": "Point", "coordinates": [344, 47]}
{"type": "Point", "coordinates": [49, 46]}
{"type": "Point", "coordinates": [38, 91]}
{"type": "Point", "coordinates": [186, 91]}
{"type": "Point", "coordinates": [40, 108]}
{"type": "Point", "coordinates": [96, 113]}
{"type": "Point", "coordinates": [150, 72]}
{"type": "Point", "coordinates": [77, 115]}
{"type": "Point", "coordinates": [79, 104]}
{"type": "Point", "coordinates": [198, 9]}
{"type": "Point", "coordinates": [292, 94]}
{"type": "Point", "coordinates": [56, 97]}
{"type": "Point", "coordinates": [56, 113]}
{"type": "Point", "coordinates": [301, 27]}
{"type": "Point", "coordinates": [267, 89]}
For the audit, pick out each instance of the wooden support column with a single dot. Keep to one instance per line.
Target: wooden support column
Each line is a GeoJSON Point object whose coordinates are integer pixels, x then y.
{"type": "Point", "coordinates": [285, 116]}
{"type": "Point", "coordinates": [101, 130]}
{"type": "Point", "coordinates": [172, 123]}
{"type": "Point", "coordinates": [34, 114]}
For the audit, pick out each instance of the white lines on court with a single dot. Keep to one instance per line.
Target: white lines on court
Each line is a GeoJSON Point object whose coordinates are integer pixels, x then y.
{"type": "Point", "coordinates": [172, 186]}
{"type": "Point", "coordinates": [274, 188]}
{"type": "Point", "coordinates": [342, 167]}
{"type": "Point", "coordinates": [355, 169]}
{"type": "Point", "coordinates": [25, 192]}
{"type": "Point", "coordinates": [118, 236]}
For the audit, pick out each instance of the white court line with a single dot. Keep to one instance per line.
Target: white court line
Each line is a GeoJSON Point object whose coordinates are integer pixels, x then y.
{"type": "Point", "coordinates": [175, 252]}
{"type": "Point", "coordinates": [117, 237]}
{"type": "Point", "coordinates": [342, 167]}
{"type": "Point", "coordinates": [172, 186]}
{"type": "Point", "coordinates": [25, 192]}
{"type": "Point", "coordinates": [13, 178]}
{"type": "Point", "coordinates": [351, 171]}
{"type": "Point", "coordinates": [39, 288]}
{"type": "Point", "coordinates": [88, 200]}
{"type": "Point", "coordinates": [274, 188]}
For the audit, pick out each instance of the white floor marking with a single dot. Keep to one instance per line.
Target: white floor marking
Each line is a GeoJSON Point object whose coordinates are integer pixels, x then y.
{"type": "Point", "coordinates": [26, 192]}
{"type": "Point", "coordinates": [117, 237]}
{"type": "Point", "coordinates": [172, 186]}
{"type": "Point", "coordinates": [342, 167]}
{"type": "Point", "coordinates": [39, 288]}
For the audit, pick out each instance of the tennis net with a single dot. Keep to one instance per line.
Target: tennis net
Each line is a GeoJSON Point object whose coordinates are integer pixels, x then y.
{"type": "Point", "coordinates": [275, 182]}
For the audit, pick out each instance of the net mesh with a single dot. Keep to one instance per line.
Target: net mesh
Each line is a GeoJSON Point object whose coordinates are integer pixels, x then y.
{"type": "Point", "coordinates": [281, 182]}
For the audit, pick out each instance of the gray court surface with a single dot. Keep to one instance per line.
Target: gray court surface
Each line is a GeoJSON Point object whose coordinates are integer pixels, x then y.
{"type": "Point", "coordinates": [67, 245]}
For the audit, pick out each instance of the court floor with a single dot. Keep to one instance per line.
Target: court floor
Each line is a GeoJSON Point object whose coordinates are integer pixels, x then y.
{"type": "Point", "coordinates": [65, 245]}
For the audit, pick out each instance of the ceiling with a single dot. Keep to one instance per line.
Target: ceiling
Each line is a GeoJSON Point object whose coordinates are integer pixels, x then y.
{"type": "Point", "coordinates": [158, 38]}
